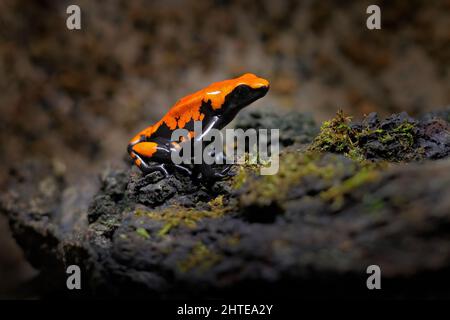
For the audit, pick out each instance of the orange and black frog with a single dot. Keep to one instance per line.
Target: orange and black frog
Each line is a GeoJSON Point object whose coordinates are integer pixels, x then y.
{"type": "Point", "coordinates": [215, 106]}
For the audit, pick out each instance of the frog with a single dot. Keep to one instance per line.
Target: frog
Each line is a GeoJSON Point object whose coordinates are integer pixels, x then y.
{"type": "Point", "coordinates": [215, 106]}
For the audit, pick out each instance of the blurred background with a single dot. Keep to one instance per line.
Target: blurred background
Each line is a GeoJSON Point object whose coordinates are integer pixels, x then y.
{"type": "Point", "coordinates": [76, 97]}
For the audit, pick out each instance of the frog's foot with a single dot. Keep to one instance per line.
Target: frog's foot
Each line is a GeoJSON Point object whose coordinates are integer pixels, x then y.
{"type": "Point", "coordinates": [211, 175]}
{"type": "Point", "coordinates": [183, 169]}
{"type": "Point", "coordinates": [226, 172]}
{"type": "Point", "coordinates": [146, 169]}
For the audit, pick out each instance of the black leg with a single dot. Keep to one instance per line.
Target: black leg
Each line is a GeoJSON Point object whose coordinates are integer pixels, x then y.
{"type": "Point", "coordinates": [209, 174]}
{"type": "Point", "coordinates": [183, 169]}
{"type": "Point", "coordinates": [226, 170]}
{"type": "Point", "coordinates": [146, 169]}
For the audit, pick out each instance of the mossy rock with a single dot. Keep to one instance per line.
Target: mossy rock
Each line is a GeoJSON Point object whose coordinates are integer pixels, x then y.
{"type": "Point", "coordinates": [334, 207]}
{"type": "Point", "coordinates": [396, 138]}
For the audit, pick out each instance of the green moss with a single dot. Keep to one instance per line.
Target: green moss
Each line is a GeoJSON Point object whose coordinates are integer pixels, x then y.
{"type": "Point", "coordinates": [337, 136]}
{"type": "Point", "coordinates": [306, 174]}
{"type": "Point", "coordinates": [177, 216]}
{"type": "Point", "coordinates": [373, 204]}
{"type": "Point", "coordinates": [143, 233]}
{"type": "Point", "coordinates": [336, 193]}
{"type": "Point", "coordinates": [201, 258]}
{"type": "Point", "coordinates": [240, 178]}
{"type": "Point", "coordinates": [405, 134]}
{"type": "Point", "coordinates": [244, 171]}
{"type": "Point", "coordinates": [293, 167]}
{"type": "Point", "coordinates": [216, 203]}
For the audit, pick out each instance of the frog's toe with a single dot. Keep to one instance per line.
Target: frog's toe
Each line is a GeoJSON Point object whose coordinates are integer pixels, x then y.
{"type": "Point", "coordinates": [183, 169]}
{"type": "Point", "coordinates": [227, 172]}
{"type": "Point", "coordinates": [221, 175]}
{"type": "Point", "coordinates": [158, 167]}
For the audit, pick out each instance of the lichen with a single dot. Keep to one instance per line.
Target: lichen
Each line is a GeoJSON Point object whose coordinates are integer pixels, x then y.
{"type": "Point", "coordinates": [201, 258]}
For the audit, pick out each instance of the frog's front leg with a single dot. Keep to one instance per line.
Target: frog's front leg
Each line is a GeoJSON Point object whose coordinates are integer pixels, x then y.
{"type": "Point", "coordinates": [210, 174]}
{"type": "Point", "coordinates": [207, 172]}
{"type": "Point", "coordinates": [220, 172]}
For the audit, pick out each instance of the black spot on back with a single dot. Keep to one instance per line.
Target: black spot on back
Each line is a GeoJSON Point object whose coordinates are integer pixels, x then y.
{"type": "Point", "coordinates": [163, 132]}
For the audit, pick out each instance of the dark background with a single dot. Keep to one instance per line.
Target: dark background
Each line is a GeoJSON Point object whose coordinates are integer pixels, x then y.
{"type": "Point", "coordinates": [76, 97]}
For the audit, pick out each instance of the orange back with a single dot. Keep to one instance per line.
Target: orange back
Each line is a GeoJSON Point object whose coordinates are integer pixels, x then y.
{"type": "Point", "coordinates": [188, 108]}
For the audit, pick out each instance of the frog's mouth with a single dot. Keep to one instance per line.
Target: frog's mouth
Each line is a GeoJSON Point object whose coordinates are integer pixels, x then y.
{"type": "Point", "coordinates": [243, 95]}
{"type": "Point", "coordinates": [260, 92]}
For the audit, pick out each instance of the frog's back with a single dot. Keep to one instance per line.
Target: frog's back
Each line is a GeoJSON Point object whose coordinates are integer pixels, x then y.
{"type": "Point", "coordinates": [184, 110]}
{"type": "Point", "coordinates": [189, 108]}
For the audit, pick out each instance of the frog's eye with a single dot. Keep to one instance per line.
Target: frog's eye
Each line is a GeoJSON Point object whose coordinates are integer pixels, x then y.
{"type": "Point", "coordinates": [242, 90]}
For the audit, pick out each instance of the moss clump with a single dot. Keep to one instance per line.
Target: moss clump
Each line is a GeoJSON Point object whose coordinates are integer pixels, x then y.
{"type": "Point", "coordinates": [143, 233]}
{"type": "Point", "coordinates": [176, 216]}
{"type": "Point", "coordinates": [337, 136]}
{"type": "Point", "coordinates": [201, 258]}
{"type": "Point", "coordinates": [404, 134]}
{"type": "Point", "coordinates": [392, 139]}
{"type": "Point", "coordinates": [216, 203]}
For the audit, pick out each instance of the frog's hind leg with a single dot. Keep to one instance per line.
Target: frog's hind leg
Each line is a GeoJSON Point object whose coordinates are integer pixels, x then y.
{"type": "Point", "coordinates": [144, 152]}
{"type": "Point", "coordinates": [144, 166]}
{"type": "Point", "coordinates": [164, 154]}
{"type": "Point", "coordinates": [183, 169]}
{"type": "Point", "coordinates": [158, 150]}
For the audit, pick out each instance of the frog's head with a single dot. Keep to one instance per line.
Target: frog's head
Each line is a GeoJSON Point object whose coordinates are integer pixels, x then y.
{"type": "Point", "coordinates": [247, 89]}
{"type": "Point", "coordinates": [230, 96]}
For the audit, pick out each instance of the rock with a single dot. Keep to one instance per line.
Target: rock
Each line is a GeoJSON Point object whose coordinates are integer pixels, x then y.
{"type": "Point", "coordinates": [396, 138]}
{"type": "Point", "coordinates": [310, 230]}
{"type": "Point", "coordinates": [439, 114]}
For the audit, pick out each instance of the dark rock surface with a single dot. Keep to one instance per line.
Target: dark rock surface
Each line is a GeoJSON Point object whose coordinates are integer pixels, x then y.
{"type": "Point", "coordinates": [311, 230]}
{"type": "Point", "coordinates": [439, 114]}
